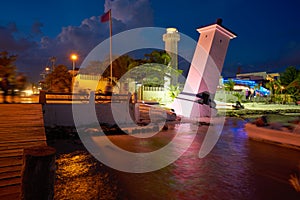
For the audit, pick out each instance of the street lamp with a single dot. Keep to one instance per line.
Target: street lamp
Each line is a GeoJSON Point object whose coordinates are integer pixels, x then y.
{"type": "Point", "coordinates": [281, 88]}
{"type": "Point", "coordinates": [47, 69]}
{"type": "Point", "coordinates": [74, 57]}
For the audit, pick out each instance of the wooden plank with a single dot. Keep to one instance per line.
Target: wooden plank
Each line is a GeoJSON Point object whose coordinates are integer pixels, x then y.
{"type": "Point", "coordinates": [21, 121]}
{"type": "Point", "coordinates": [11, 161]}
{"type": "Point", "coordinates": [27, 135]}
{"type": "Point", "coordinates": [25, 130]}
{"type": "Point", "coordinates": [21, 145]}
{"type": "Point", "coordinates": [11, 181]}
{"type": "Point", "coordinates": [22, 141]}
{"type": "Point", "coordinates": [32, 121]}
{"type": "Point", "coordinates": [11, 192]}
{"type": "Point", "coordinates": [11, 153]}
{"type": "Point", "coordinates": [21, 126]}
{"type": "Point", "coordinates": [10, 168]}
{"type": "Point", "coordinates": [16, 139]}
{"type": "Point", "coordinates": [11, 174]}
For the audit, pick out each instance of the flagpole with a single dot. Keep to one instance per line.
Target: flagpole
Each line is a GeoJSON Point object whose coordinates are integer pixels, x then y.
{"type": "Point", "coordinates": [110, 46]}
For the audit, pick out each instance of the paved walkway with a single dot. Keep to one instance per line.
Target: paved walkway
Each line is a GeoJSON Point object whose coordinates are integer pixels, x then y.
{"type": "Point", "coordinates": [21, 126]}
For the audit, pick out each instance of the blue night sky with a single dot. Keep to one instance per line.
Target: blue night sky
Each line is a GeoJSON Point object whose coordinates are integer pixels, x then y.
{"type": "Point", "coordinates": [268, 31]}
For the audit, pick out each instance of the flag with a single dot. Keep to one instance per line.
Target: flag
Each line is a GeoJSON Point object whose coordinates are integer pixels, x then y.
{"type": "Point", "coordinates": [105, 17]}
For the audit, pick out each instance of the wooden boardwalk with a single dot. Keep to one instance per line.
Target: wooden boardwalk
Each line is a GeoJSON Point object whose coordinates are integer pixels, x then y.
{"type": "Point", "coordinates": [21, 126]}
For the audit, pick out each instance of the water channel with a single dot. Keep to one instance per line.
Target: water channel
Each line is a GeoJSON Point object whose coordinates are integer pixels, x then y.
{"type": "Point", "coordinates": [237, 168]}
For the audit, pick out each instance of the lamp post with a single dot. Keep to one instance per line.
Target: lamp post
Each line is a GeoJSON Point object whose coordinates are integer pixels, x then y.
{"type": "Point", "coordinates": [74, 57]}
{"type": "Point", "coordinates": [53, 60]}
{"type": "Point", "coordinates": [47, 71]}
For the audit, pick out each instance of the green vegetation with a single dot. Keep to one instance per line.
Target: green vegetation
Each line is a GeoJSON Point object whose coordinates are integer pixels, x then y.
{"type": "Point", "coordinates": [239, 96]}
{"type": "Point", "coordinates": [151, 74]}
{"type": "Point", "coordinates": [288, 85]}
{"type": "Point", "coordinates": [229, 86]}
{"type": "Point", "coordinates": [174, 90]}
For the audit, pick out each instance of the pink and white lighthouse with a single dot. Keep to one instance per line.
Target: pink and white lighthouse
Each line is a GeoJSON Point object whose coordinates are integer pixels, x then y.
{"type": "Point", "coordinates": [205, 70]}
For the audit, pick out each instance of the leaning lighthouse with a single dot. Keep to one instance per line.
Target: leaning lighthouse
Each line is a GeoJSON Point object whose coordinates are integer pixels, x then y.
{"type": "Point", "coordinates": [205, 69]}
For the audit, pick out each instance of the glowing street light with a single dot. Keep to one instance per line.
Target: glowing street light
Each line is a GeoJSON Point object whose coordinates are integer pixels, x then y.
{"type": "Point", "coordinates": [74, 57]}
{"type": "Point", "coordinates": [281, 88]}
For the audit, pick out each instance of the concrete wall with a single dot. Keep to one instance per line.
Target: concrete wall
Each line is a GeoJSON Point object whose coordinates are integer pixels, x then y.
{"type": "Point", "coordinates": [158, 94]}
{"type": "Point", "coordinates": [62, 114]}
{"type": "Point", "coordinates": [227, 96]}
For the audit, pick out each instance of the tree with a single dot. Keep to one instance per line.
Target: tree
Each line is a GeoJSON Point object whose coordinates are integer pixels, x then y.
{"type": "Point", "coordinates": [289, 75]}
{"type": "Point", "coordinates": [160, 61]}
{"type": "Point", "coordinates": [239, 96]}
{"type": "Point", "coordinates": [7, 65]}
{"type": "Point", "coordinates": [271, 86]}
{"type": "Point", "coordinates": [290, 82]}
{"type": "Point", "coordinates": [121, 65]}
{"type": "Point", "coordinates": [155, 67]}
{"type": "Point", "coordinates": [149, 74]}
{"type": "Point", "coordinates": [20, 82]}
{"type": "Point", "coordinates": [160, 57]}
{"type": "Point", "coordinates": [60, 80]}
{"type": "Point", "coordinates": [229, 86]}
{"type": "Point", "coordinates": [8, 69]}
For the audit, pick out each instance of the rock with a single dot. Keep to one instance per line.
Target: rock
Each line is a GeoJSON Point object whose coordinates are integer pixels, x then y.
{"type": "Point", "coordinates": [261, 121]}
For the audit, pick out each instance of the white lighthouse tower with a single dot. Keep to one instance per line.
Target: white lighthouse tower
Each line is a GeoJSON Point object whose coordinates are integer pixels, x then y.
{"type": "Point", "coordinates": [171, 39]}
{"type": "Point", "coordinates": [205, 70]}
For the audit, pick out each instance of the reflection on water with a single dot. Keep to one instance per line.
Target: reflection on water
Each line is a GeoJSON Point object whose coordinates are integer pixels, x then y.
{"type": "Point", "coordinates": [236, 169]}
{"type": "Point", "coordinates": [79, 176]}
{"type": "Point", "coordinates": [20, 99]}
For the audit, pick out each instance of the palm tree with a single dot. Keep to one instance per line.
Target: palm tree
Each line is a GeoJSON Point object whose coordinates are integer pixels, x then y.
{"type": "Point", "coordinates": [229, 86]}
{"type": "Point", "coordinates": [294, 89]}
{"type": "Point", "coordinates": [289, 75]}
{"type": "Point", "coordinates": [239, 96]}
{"type": "Point", "coordinates": [289, 82]}
{"type": "Point", "coordinates": [271, 86]}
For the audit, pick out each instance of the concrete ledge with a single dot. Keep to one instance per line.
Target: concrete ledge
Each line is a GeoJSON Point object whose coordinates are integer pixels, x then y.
{"type": "Point", "coordinates": [234, 113]}
{"type": "Point", "coordinates": [63, 114]}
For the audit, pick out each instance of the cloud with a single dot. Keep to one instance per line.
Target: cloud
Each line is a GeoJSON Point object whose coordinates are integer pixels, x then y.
{"type": "Point", "coordinates": [133, 13]}
{"type": "Point", "coordinates": [82, 39]}
{"type": "Point", "coordinates": [36, 48]}
{"type": "Point", "coordinates": [10, 42]}
{"type": "Point", "coordinates": [36, 28]}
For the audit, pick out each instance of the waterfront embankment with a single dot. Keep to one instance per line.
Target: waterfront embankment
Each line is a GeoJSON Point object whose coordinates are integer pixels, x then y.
{"type": "Point", "coordinates": [260, 109]}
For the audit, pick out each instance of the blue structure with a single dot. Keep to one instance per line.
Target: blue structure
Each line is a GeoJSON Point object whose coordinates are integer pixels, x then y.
{"type": "Point", "coordinates": [248, 83]}
{"type": "Point", "coordinates": [251, 84]}
{"type": "Point", "coordinates": [263, 91]}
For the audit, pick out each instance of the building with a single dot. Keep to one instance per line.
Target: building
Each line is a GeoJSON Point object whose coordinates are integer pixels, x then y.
{"type": "Point", "coordinates": [258, 76]}
{"type": "Point", "coordinates": [171, 39]}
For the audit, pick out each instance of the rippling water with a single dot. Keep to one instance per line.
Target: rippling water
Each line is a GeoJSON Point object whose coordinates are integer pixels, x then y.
{"type": "Point", "coordinates": [236, 169]}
